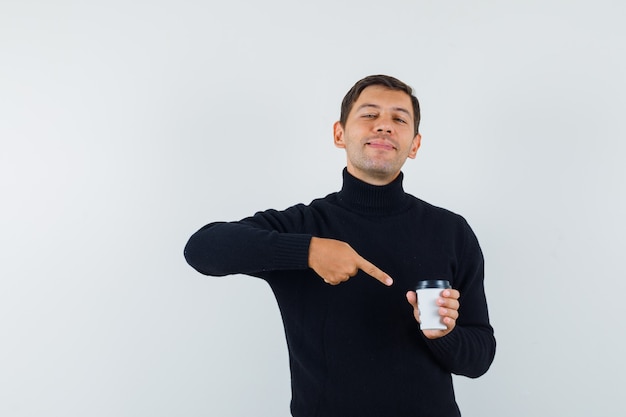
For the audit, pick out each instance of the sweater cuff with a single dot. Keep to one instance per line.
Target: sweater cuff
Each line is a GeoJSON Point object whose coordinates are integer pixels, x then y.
{"type": "Point", "coordinates": [444, 346]}
{"type": "Point", "coordinates": [291, 251]}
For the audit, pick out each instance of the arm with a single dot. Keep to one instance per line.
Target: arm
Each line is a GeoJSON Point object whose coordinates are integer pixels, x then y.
{"type": "Point", "coordinates": [265, 242]}
{"type": "Point", "coordinates": [467, 346]}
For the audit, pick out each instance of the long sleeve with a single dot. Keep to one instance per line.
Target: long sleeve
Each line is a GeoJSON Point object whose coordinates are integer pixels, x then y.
{"type": "Point", "coordinates": [251, 246]}
{"type": "Point", "coordinates": [470, 348]}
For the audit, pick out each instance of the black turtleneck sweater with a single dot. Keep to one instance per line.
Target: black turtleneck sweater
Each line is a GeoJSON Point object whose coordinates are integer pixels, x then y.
{"type": "Point", "coordinates": [355, 349]}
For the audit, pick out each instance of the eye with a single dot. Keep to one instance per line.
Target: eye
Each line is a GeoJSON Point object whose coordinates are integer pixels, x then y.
{"type": "Point", "coordinates": [400, 120]}
{"type": "Point", "coordinates": [369, 116]}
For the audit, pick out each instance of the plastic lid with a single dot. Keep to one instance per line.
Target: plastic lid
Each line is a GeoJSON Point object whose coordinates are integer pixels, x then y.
{"type": "Point", "coordinates": [433, 283]}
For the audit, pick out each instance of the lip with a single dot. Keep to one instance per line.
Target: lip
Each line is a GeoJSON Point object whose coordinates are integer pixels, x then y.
{"type": "Point", "coordinates": [380, 144]}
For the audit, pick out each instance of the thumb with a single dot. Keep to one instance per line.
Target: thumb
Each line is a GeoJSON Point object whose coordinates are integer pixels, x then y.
{"type": "Point", "coordinates": [411, 297]}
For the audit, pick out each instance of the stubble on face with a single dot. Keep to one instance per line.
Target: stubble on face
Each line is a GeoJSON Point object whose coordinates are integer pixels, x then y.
{"type": "Point", "coordinates": [375, 159]}
{"type": "Point", "coordinates": [378, 135]}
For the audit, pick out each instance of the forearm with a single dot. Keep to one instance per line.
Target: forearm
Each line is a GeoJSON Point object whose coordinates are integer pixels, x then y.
{"type": "Point", "coordinates": [228, 248]}
{"type": "Point", "coordinates": [467, 351]}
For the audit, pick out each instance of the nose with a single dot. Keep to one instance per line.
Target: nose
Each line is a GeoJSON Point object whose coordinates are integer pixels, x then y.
{"type": "Point", "coordinates": [384, 126]}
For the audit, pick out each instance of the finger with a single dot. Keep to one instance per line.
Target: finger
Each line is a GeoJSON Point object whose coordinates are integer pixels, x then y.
{"type": "Point", "coordinates": [449, 299]}
{"type": "Point", "coordinates": [448, 313]}
{"type": "Point", "coordinates": [436, 334]}
{"type": "Point", "coordinates": [451, 293]}
{"type": "Point", "coordinates": [450, 324]}
{"type": "Point", "coordinates": [448, 303]}
{"type": "Point", "coordinates": [373, 271]}
{"type": "Point", "coordinates": [336, 280]}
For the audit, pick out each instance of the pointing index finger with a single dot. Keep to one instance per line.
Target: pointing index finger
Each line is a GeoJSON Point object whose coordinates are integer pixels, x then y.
{"type": "Point", "coordinates": [373, 271]}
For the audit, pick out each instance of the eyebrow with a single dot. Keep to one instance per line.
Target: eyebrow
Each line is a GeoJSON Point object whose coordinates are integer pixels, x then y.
{"type": "Point", "coordinates": [376, 106]}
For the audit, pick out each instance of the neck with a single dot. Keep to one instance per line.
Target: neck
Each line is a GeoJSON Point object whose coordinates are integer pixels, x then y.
{"type": "Point", "coordinates": [372, 199]}
{"type": "Point", "coordinates": [372, 178]}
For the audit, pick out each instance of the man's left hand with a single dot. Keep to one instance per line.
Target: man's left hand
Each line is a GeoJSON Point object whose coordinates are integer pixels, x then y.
{"type": "Point", "coordinates": [448, 310]}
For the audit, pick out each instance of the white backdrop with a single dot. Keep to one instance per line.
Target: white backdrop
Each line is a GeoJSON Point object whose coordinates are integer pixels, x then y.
{"type": "Point", "coordinates": [127, 125]}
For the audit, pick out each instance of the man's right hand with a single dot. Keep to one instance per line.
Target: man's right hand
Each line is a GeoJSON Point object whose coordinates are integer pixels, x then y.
{"type": "Point", "coordinates": [335, 261]}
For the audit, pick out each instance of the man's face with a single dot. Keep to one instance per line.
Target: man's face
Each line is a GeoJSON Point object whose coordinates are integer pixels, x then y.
{"type": "Point", "coordinates": [378, 135]}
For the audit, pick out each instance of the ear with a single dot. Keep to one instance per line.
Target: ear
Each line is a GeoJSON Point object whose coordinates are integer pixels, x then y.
{"type": "Point", "coordinates": [417, 141]}
{"type": "Point", "coordinates": [338, 135]}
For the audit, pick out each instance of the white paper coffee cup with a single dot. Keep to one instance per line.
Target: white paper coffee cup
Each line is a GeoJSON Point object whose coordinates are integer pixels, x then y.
{"type": "Point", "coordinates": [428, 292]}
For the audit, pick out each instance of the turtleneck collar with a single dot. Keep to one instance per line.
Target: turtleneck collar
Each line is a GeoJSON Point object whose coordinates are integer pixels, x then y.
{"type": "Point", "coordinates": [366, 198]}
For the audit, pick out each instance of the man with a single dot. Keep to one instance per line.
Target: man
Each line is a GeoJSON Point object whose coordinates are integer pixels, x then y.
{"type": "Point", "coordinates": [344, 269]}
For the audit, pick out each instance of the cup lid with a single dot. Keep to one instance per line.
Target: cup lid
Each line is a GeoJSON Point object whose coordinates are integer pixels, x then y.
{"type": "Point", "coordinates": [433, 283]}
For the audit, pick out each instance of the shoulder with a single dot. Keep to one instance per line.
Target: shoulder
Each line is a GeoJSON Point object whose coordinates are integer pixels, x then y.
{"type": "Point", "coordinates": [296, 213]}
{"type": "Point", "coordinates": [442, 218]}
{"type": "Point", "coordinates": [435, 211]}
{"type": "Point", "coordinates": [316, 204]}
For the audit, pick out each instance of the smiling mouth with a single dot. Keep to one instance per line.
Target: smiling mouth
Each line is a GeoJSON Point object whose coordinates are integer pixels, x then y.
{"type": "Point", "coordinates": [380, 144]}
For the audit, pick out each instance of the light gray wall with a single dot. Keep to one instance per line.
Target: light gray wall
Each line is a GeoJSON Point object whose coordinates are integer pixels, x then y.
{"type": "Point", "coordinates": [127, 125]}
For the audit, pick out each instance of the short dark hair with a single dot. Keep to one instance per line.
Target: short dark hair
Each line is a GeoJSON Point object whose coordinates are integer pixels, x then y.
{"type": "Point", "coordinates": [385, 81]}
